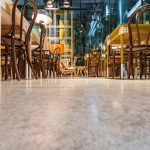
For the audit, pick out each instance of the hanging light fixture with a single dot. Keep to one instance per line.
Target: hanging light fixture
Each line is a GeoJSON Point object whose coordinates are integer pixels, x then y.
{"type": "Point", "coordinates": [66, 4]}
{"type": "Point", "coordinates": [49, 4]}
{"type": "Point", "coordinates": [43, 17]}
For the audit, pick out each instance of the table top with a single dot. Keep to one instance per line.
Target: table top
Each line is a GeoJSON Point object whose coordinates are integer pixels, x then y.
{"type": "Point", "coordinates": [122, 29]}
{"type": "Point", "coordinates": [80, 67]}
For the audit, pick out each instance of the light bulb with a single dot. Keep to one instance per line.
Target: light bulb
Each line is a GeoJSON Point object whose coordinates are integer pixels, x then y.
{"type": "Point", "coordinates": [66, 4]}
{"type": "Point", "coordinates": [49, 4]}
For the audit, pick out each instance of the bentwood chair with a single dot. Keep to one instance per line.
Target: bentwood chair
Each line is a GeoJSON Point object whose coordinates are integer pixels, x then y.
{"type": "Point", "coordinates": [139, 45]}
{"type": "Point", "coordinates": [93, 63]}
{"type": "Point", "coordinates": [41, 60]}
{"type": "Point", "coordinates": [19, 46]}
{"type": "Point", "coordinates": [55, 62]}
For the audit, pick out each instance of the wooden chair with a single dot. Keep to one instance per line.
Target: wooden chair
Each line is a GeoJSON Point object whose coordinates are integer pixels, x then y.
{"type": "Point", "coordinates": [67, 70]}
{"type": "Point", "coordinates": [19, 46]}
{"type": "Point", "coordinates": [138, 46]}
{"type": "Point", "coordinates": [41, 60]}
{"type": "Point", "coordinates": [55, 62]}
{"type": "Point", "coordinates": [93, 63]}
{"type": "Point", "coordinates": [5, 63]}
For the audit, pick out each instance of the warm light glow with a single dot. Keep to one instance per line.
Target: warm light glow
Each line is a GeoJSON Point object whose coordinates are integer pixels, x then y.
{"type": "Point", "coordinates": [43, 18]}
{"type": "Point", "coordinates": [103, 55]}
{"type": "Point", "coordinates": [49, 4]}
{"type": "Point", "coordinates": [115, 47]}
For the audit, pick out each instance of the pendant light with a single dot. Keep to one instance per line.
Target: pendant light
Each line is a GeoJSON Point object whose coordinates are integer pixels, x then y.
{"type": "Point", "coordinates": [66, 4]}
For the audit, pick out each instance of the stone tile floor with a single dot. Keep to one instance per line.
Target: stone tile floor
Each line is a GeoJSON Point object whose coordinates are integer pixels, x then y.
{"type": "Point", "coordinates": [75, 114]}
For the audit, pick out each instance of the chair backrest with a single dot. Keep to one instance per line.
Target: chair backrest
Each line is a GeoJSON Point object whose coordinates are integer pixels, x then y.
{"type": "Point", "coordinates": [13, 19]}
{"type": "Point", "coordinates": [42, 35]}
{"type": "Point", "coordinates": [41, 43]}
{"type": "Point", "coordinates": [56, 54]}
{"type": "Point", "coordinates": [94, 57]}
{"type": "Point", "coordinates": [57, 50]}
{"type": "Point", "coordinates": [28, 2]}
{"type": "Point", "coordinates": [42, 39]}
{"type": "Point", "coordinates": [34, 15]}
{"type": "Point", "coordinates": [63, 66]}
{"type": "Point", "coordinates": [137, 12]}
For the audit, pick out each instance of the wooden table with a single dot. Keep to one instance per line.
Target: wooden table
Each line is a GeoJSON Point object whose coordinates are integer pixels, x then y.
{"type": "Point", "coordinates": [81, 70]}
{"type": "Point", "coordinates": [120, 37]}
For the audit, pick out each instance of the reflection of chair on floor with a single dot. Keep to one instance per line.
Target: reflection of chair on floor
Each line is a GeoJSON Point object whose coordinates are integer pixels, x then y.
{"type": "Point", "coordinates": [67, 70]}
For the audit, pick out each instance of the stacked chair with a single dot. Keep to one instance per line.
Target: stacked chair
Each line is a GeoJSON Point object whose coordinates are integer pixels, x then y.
{"type": "Point", "coordinates": [16, 53]}
{"type": "Point", "coordinates": [136, 52]}
{"type": "Point", "coordinates": [55, 63]}
{"type": "Point", "coordinates": [17, 48]}
{"type": "Point", "coordinates": [137, 49]}
{"type": "Point", "coordinates": [41, 57]}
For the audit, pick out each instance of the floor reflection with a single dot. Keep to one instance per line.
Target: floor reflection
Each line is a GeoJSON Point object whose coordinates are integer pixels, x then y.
{"type": "Point", "coordinates": [73, 114]}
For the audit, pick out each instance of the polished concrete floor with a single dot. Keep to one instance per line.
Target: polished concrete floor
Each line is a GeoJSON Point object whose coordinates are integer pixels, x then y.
{"type": "Point", "coordinates": [75, 114]}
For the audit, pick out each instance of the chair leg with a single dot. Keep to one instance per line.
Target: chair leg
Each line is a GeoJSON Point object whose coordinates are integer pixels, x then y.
{"type": "Point", "coordinates": [57, 69]}
{"type": "Point", "coordinates": [88, 71]}
{"type": "Point", "coordinates": [12, 75]}
{"type": "Point", "coordinates": [29, 62]}
{"type": "Point", "coordinates": [53, 70]}
{"type": "Point", "coordinates": [6, 64]}
{"type": "Point", "coordinates": [149, 68]}
{"type": "Point", "coordinates": [50, 70]}
{"type": "Point", "coordinates": [14, 61]}
{"type": "Point", "coordinates": [129, 63]}
{"type": "Point", "coordinates": [3, 72]}
{"type": "Point", "coordinates": [140, 65]}
{"type": "Point", "coordinates": [145, 64]}
{"type": "Point", "coordinates": [132, 65]}
{"type": "Point", "coordinates": [42, 69]}
{"type": "Point", "coordinates": [113, 65]}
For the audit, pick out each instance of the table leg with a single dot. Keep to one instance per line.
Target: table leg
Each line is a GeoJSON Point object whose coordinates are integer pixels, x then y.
{"type": "Point", "coordinates": [107, 61]}
{"type": "Point", "coordinates": [122, 56]}
{"type": "Point", "coordinates": [27, 71]}
{"type": "Point", "coordinates": [30, 53]}
{"type": "Point", "coordinates": [136, 68]}
{"type": "Point", "coordinates": [86, 73]}
{"type": "Point", "coordinates": [0, 47]}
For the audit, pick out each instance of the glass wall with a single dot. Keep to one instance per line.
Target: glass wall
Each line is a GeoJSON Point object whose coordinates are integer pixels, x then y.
{"type": "Point", "coordinates": [92, 21]}
{"type": "Point", "coordinates": [92, 26]}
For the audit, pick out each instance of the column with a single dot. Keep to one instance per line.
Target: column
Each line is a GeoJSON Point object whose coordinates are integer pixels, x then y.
{"type": "Point", "coordinates": [30, 52]}
{"type": "Point", "coordinates": [107, 61]}
{"type": "Point", "coordinates": [55, 25]}
{"type": "Point", "coordinates": [122, 56]}
{"type": "Point", "coordinates": [72, 41]}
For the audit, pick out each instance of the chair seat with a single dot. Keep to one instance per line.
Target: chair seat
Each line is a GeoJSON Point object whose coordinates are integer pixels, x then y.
{"type": "Point", "coordinates": [36, 53]}
{"type": "Point", "coordinates": [67, 70]}
{"type": "Point", "coordinates": [137, 48]}
{"type": "Point", "coordinates": [7, 41]}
